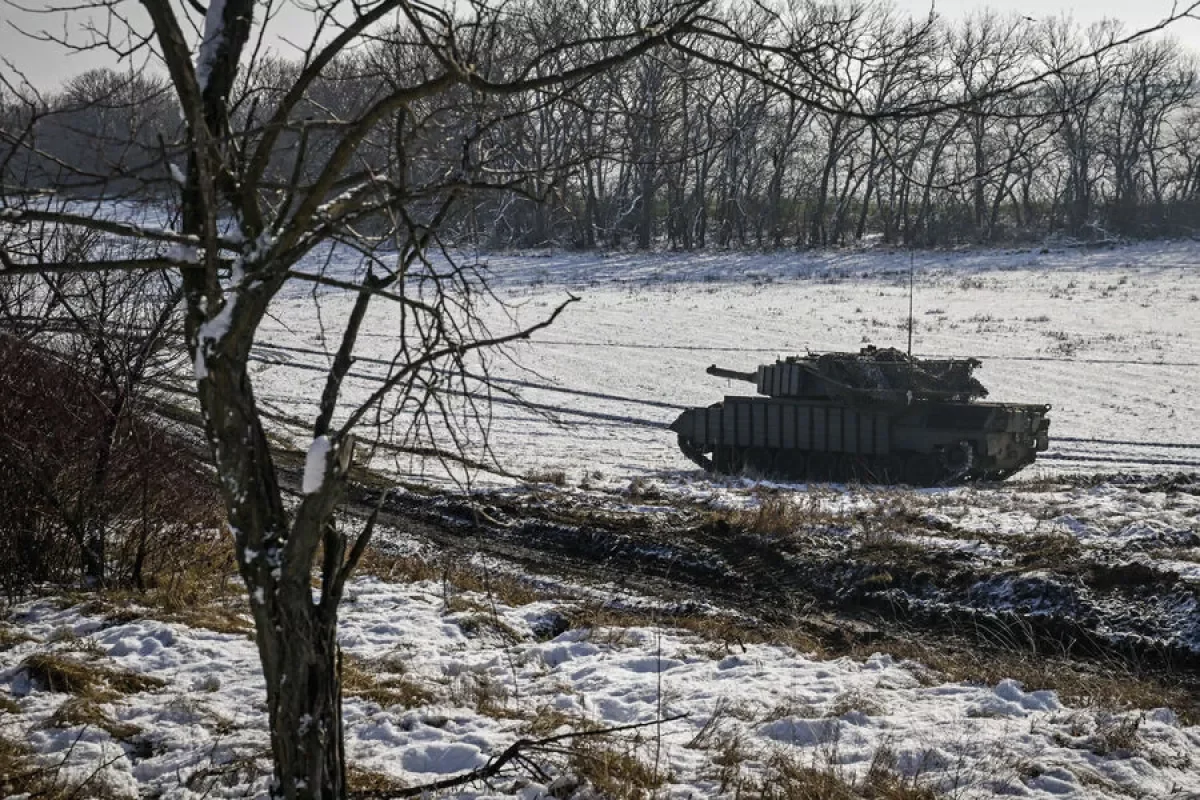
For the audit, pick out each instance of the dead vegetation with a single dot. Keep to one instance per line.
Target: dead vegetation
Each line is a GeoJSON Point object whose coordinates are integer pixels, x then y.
{"type": "Point", "coordinates": [24, 775]}
{"type": "Point", "coordinates": [201, 589]}
{"type": "Point", "coordinates": [1045, 551]}
{"type": "Point", "coordinates": [9, 705]}
{"type": "Point", "coordinates": [785, 775]}
{"type": "Point", "coordinates": [21, 775]}
{"type": "Point", "coordinates": [359, 779]}
{"type": "Point", "coordinates": [83, 712]}
{"type": "Point", "coordinates": [1115, 686]}
{"type": "Point", "coordinates": [778, 515]}
{"type": "Point", "coordinates": [87, 680]}
{"type": "Point", "coordinates": [376, 684]}
{"type": "Point", "coordinates": [613, 768]}
{"type": "Point", "coordinates": [555, 477]}
{"type": "Point", "coordinates": [455, 575]}
{"type": "Point", "coordinates": [11, 637]}
{"type": "Point", "coordinates": [92, 486]}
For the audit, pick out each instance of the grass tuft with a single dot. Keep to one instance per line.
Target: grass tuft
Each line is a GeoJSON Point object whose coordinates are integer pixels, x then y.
{"type": "Point", "coordinates": [554, 477]}
{"type": "Point", "coordinates": [612, 768]}
{"type": "Point", "coordinates": [10, 637]}
{"type": "Point", "coordinates": [81, 712]}
{"type": "Point", "coordinates": [464, 577]}
{"type": "Point", "coordinates": [387, 691]}
{"type": "Point", "coordinates": [359, 779]}
{"type": "Point", "coordinates": [87, 680]}
{"type": "Point", "coordinates": [8, 705]}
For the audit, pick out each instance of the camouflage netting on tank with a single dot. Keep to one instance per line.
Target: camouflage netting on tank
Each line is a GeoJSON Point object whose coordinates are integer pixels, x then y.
{"type": "Point", "coordinates": [890, 374]}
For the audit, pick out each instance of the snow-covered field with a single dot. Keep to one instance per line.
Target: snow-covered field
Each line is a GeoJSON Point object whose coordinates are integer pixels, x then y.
{"type": "Point", "coordinates": [1109, 338]}
{"type": "Point", "coordinates": [490, 673]}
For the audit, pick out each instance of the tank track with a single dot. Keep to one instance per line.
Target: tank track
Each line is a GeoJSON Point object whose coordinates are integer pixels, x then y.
{"type": "Point", "coordinates": [948, 468]}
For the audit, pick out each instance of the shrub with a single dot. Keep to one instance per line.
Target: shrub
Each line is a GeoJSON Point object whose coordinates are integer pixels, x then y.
{"type": "Point", "coordinates": [90, 487]}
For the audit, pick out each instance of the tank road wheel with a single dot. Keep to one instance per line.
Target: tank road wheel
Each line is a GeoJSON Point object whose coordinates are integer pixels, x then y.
{"type": "Point", "coordinates": [819, 468]}
{"type": "Point", "coordinates": [692, 450]}
{"type": "Point", "coordinates": [892, 470]}
{"type": "Point", "coordinates": [922, 469]}
{"type": "Point", "coordinates": [760, 460]}
{"type": "Point", "coordinates": [956, 461]}
{"type": "Point", "coordinates": [728, 460]}
{"type": "Point", "coordinates": [863, 469]}
{"type": "Point", "coordinates": [792, 465]}
{"type": "Point", "coordinates": [845, 469]}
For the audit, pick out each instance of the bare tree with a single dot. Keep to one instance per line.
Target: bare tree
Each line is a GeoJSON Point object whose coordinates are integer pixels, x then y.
{"type": "Point", "coordinates": [374, 175]}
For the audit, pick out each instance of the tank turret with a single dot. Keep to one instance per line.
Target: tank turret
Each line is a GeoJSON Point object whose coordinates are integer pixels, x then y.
{"type": "Point", "coordinates": [878, 415]}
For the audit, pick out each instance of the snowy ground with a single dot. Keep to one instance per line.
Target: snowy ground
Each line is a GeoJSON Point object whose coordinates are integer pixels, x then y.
{"type": "Point", "coordinates": [491, 675]}
{"type": "Point", "coordinates": [1108, 338]}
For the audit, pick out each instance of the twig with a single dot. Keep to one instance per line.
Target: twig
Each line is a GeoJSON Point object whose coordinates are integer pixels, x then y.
{"type": "Point", "coordinates": [514, 752]}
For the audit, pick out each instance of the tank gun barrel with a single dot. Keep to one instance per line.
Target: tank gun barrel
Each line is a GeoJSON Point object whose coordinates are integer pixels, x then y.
{"type": "Point", "coordinates": [732, 374]}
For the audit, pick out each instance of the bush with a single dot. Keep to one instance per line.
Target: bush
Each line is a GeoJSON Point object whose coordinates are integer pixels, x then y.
{"type": "Point", "coordinates": [88, 486]}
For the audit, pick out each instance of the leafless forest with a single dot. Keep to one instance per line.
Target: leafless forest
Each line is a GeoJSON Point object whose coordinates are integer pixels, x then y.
{"type": "Point", "coordinates": [1043, 127]}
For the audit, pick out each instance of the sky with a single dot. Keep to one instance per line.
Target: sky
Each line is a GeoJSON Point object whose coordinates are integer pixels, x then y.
{"type": "Point", "coordinates": [46, 65]}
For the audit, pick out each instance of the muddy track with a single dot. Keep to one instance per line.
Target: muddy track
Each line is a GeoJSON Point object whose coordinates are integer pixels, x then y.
{"type": "Point", "coordinates": [813, 582]}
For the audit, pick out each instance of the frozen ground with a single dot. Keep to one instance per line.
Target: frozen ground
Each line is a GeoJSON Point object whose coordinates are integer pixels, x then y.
{"type": "Point", "coordinates": [1108, 338]}
{"type": "Point", "coordinates": [490, 672]}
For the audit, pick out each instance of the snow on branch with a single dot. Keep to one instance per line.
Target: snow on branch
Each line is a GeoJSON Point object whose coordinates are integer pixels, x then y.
{"type": "Point", "coordinates": [210, 45]}
{"type": "Point", "coordinates": [314, 465]}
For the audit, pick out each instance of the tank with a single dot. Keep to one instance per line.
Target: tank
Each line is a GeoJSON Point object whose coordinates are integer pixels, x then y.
{"type": "Point", "coordinates": [876, 416]}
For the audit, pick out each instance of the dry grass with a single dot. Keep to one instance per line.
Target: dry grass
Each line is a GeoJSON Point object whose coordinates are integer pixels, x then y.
{"type": "Point", "coordinates": [22, 775]}
{"type": "Point", "coordinates": [1083, 685]}
{"type": "Point", "coordinates": [359, 779]}
{"type": "Point", "coordinates": [546, 720]}
{"type": "Point", "coordinates": [881, 530]}
{"type": "Point", "coordinates": [726, 633]}
{"type": "Point", "coordinates": [391, 690]}
{"type": "Point", "coordinates": [85, 713]}
{"type": "Point", "coordinates": [786, 776]}
{"type": "Point", "coordinates": [775, 515]}
{"type": "Point", "coordinates": [485, 695]}
{"type": "Point", "coordinates": [613, 768]}
{"type": "Point", "coordinates": [483, 623]}
{"type": "Point", "coordinates": [10, 637]}
{"type": "Point", "coordinates": [1104, 686]}
{"type": "Point", "coordinates": [1116, 734]}
{"type": "Point", "coordinates": [642, 490]}
{"type": "Point", "coordinates": [855, 700]}
{"type": "Point", "coordinates": [8, 705]}
{"type": "Point", "coordinates": [86, 680]}
{"type": "Point", "coordinates": [221, 617]}
{"type": "Point", "coordinates": [201, 589]}
{"type": "Point", "coordinates": [1049, 550]}
{"type": "Point", "coordinates": [453, 574]}
{"type": "Point", "coordinates": [556, 477]}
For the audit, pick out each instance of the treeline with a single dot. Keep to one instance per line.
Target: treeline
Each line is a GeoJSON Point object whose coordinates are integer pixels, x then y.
{"type": "Point", "coordinates": [916, 132]}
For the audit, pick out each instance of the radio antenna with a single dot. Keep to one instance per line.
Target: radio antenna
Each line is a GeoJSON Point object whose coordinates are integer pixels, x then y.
{"type": "Point", "coordinates": [910, 302]}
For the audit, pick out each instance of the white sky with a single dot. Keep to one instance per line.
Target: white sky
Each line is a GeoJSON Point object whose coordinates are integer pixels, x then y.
{"type": "Point", "coordinates": [47, 65]}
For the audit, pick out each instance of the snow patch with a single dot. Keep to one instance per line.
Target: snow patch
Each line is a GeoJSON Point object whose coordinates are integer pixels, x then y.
{"type": "Point", "coordinates": [212, 332]}
{"type": "Point", "coordinates": [214, 36]}
{"type": "Point", "coordinates": [314, 465]}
